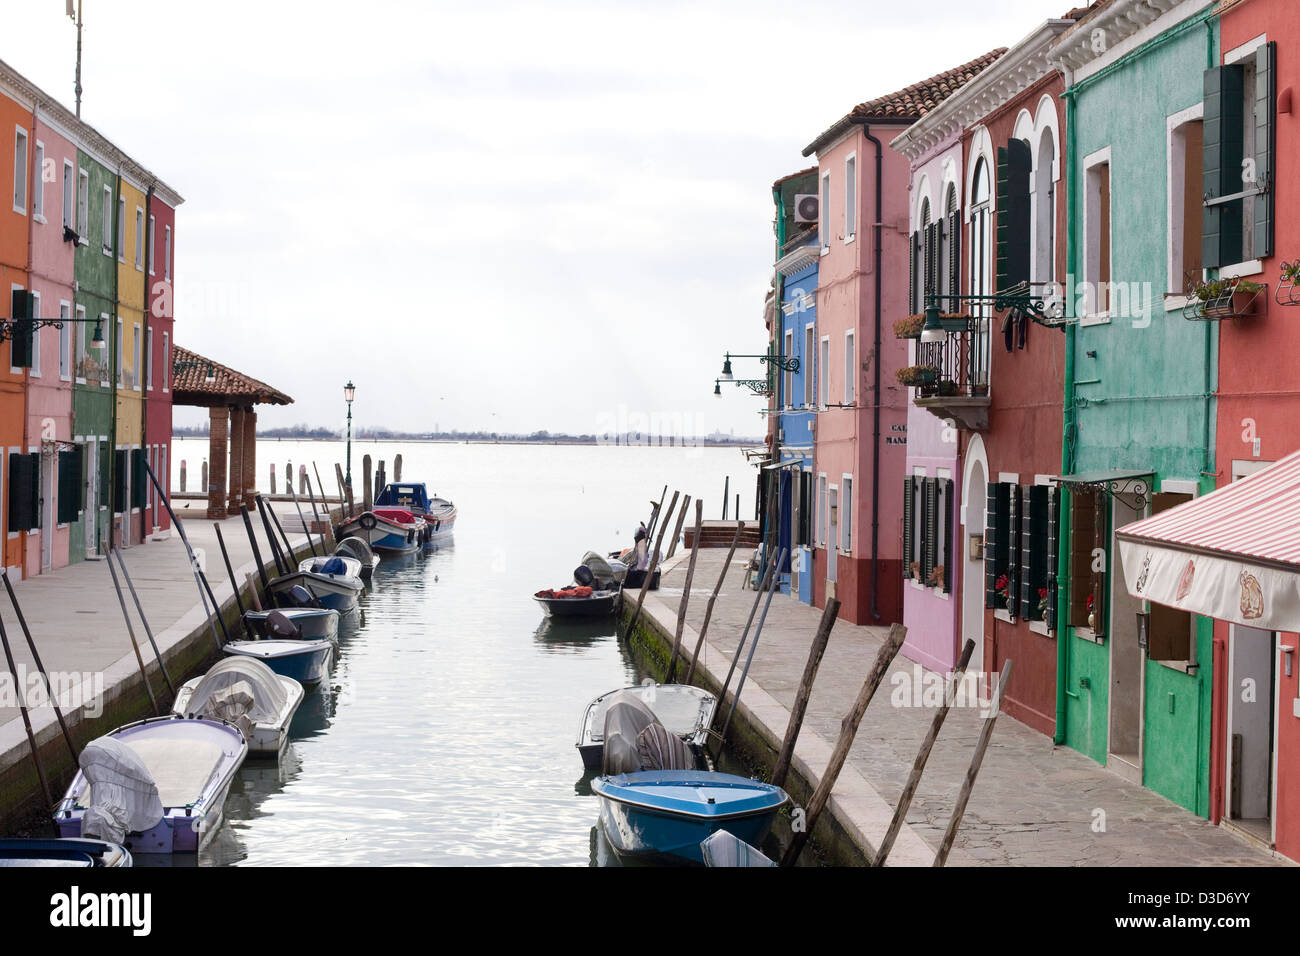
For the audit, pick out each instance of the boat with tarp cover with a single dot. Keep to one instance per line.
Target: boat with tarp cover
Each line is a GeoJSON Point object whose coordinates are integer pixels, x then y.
{"type": "Point", "coordinates": [684, 710]}
{"type": "Point", "coordinates": [245, 692]}
{"type": "Point", "coordinates": [68, 852]}
{"type": "Point", "coordinates": [333, 581]}
{"type": "Point", "coordinates": [155, 786]}
{"type": "Point", "coordinates": [438, 513]}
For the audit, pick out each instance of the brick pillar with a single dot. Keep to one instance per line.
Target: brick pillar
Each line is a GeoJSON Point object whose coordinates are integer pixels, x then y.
{"type": "Point", "coordinates": [236, 494]}
{"type": "Point", "coordinates": [250, 455]}
{"type": "Point", "coordinates": [218, 447]}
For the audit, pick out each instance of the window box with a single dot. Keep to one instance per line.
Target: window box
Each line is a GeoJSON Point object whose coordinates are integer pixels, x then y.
{"type": "Point", "coordinates": [919, 375]}
{"type": "Point", "coordinates": [910, 327]}
{"type": "Point", "coordinates": [1222, 299]}
{"type": "Point", "coordinates": [1287, 293]}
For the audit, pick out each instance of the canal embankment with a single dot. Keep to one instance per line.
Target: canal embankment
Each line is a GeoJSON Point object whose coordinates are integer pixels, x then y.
{"type": "Point", "coordinates": [1033, 804]}
{"type": "Point", "coordinates": [76, 623]}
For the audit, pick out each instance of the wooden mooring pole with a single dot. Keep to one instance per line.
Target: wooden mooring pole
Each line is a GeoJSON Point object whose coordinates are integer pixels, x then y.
{"type": "Point", "coordinates": [708, 608]}
{"type": "Point", "coordinates": [20, 692]}
{"type": "Point", "coordinates": [677, 531]}
{"type": "Point", "coordinates": [753, 645]}
{"type": "Point", "coordinates": [144, 675]}
{"type": "Point", "coordinates": [918, 767]}
{"type": "Point", "coordinates": [36, 659]}
{"type": "Point", "coordinates": [653, 565]}
{"type": "Point", "coordinates": [139, 610]}
{"type": "Point", "coordinates": [820, 640]}
{"type": "Point", "coordinates": [848, 730]}
{"type": "Point", "coordinates": [654, 513]}
{"type": "Point", "coordinates": [986, 733]}
{"type": "Point", "coordinates": [686, 593]}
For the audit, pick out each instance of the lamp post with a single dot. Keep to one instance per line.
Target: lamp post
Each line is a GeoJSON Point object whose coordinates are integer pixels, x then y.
{"type": "Point", "coordinates": [349, 393]}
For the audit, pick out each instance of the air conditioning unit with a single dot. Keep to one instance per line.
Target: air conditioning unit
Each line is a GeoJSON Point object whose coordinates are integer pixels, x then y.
{"type": "Point", "coordinates": [807, 207]}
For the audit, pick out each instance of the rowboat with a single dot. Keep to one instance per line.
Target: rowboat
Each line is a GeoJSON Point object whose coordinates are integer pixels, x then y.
{"type": "Point", "coordinates": [439, 514]}
{"type": "Point", "coordinates": [305, 660]}
{"type": "Point", "coordinates": [154, 786]}
{"type": "Point", "coordinates": [671, 812]}
{"type": "Point", "coordinates": [332, 581]}
{"type": "Point", "coordinates": [684, 710]}
{"type": "Point", "coordinates": [576, 602]}
{"type": "Point", "coordinates": [63, 853]}
{"type": "Point", "coordinates": [245, 692]}
{"type": "Point", "coordinates": [388, 529]}
{"type": "Point", "coordinates": [308, 621]}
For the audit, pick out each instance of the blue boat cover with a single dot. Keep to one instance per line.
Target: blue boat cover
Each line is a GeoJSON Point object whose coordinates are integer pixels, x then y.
{"type": "Point", "coordinates": [694, 793]}
{"type": "Point", "coordinates": [404, 494]}
{"type": "Point", "coordinates": [332, 565]}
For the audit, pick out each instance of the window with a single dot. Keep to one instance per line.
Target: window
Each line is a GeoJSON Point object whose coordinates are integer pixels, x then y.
{"type": "Point", "coordinates": [1045, 210]}
{"type": "Point", "coordinates": [83, 204]}
{"type": "Point", "coordinates": [824, 227]}
{"type": "Point", "coordinates": [951, 241]}
{"type": "Point", "coordinates": [846, 515]}
{"type": "Point", "coordinates": [928, 530]}
{"type": "Point", "coordinates": [850, 198]}
{"type": "Point", "coordinates": [106, 229]}
{"type": "Point", "coordinates": [824, 367]}
{"type": "Point", "coordinates": [152, 260]}
{"type": "Point", "coordinates": [1238, 158]}
{"type": "Point", "coordinates": [148, 360]}
{"type": "Point", "coordinates": [167, 253]}
{"type": "Point", "coordinates": [1013, 221]}
{"type": "Point", "coordinates": [809, 366]}
{"type": "Point", "coordinates": [789, 375]}
{"type": "Point", "coordinates": [167, 361]}
{"type": "Point", "coordinates": [36, 336]}
{"type": "Point", "coordinates": [850, 371]}
{"type": "Point", "coordinates": [136, 342]}
{"type": "Point", "coordinates": [1096, 229]}
{"type": "Point", "coordinates": [1171, 633]}
{"type": "Point", "coordinates": [81, 334]}
{"type": "Point", "coordinates": [65, 341]}
{"type": "Point", "coordinates": [20, 170]}
{"type": "Point", "coordinates": [1186, 143]}
{"type": "Point", "coordinates": [38, 183]}
{"type": "Point", "coordinates": [121, 229]}
{"type": "Point", "coordinates": [804, 523]}
{"type": "Point", "coordinates": [69, 187]}
{"type": "Point", "coordinates": [1089, 550]}
{"type": "Point", "coordinates": [103, 365]}
{"type": "Point", "coordinates": [139, 238]}
{"type": "Point", "coordinates": [118, 351]}
{"type": "Point", "coordinates": [821, 510]}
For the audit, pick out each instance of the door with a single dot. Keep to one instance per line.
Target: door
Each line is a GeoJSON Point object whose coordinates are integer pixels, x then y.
{"type": "Point", "coordinates": [90, 518]}
{"type": "Point", "coordinates": [972, 594]}
{"type": "Point", "coordinates": [47, 508]}
{"type": "Point", "coordinates": [1252, 710]}
{"type": "Point", "coordinates": [833, 535]}
{"type": "Point", "coordinates": [1127, 661]}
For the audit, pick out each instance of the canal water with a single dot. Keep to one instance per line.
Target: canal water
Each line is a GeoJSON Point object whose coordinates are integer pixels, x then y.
{"type": "Point", "coordinates": [446, 734]}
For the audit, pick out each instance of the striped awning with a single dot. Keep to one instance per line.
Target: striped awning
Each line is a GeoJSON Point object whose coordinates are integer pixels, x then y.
{"type": "Point", "coordinates": [1233, 554]}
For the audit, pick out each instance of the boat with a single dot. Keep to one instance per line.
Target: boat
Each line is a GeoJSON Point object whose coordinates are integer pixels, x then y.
{"type": "Point", "coordinates": [65, 852]}
{"type": "Point", "coordinates": [684, 710]}
{"type": "Point", "coordinates": [155, 786]}
{"type": "Point", "coordinates": [245, 692]}
{"type": "Point", "coordinates": [306, 660]}
{"type": "Point", "coordinates": [671, 812]}
{"type": "Point", "coordinates": [439, 514]}
{"type": "Point", "coordinates": [576, 601]}
{"type": "Point", "coordinates": [357, 548]}
{"type": "Point", "coordinates": [308, 621]}
{"type": "Point", "coordinates": [608, 572]}
{"type": "Point", "coordinates": [722, 848]}
{"type": "Point", "coordinates": [386, 529]}
{"type": "Point", "coordinates": [330, 580]}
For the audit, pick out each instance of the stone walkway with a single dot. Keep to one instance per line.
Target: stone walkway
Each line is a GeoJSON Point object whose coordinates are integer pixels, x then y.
{"type": "Point", "coordinates": [1034, 804]}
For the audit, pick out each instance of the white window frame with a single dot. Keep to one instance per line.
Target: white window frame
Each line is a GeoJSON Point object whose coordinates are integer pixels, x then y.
{"type": "Point", "coordinates": [850, 370]}
{"type": "Point", "coordinates": [21, 147]}
{"type": "Point", "coordinates": [105, 379]}
{"type": "Point", "coordinates": [789, 375]}
{"type": "Point", "coordinates": [79, 343]}
{"type": "Point", "coordinates": [824, 379]}
{"type": "Point", "coordinates": [35, 370]}
{"type": "Point", "coordinates": [823, 517]}
{"type": "Point", "coordinates": [850, 197]}
{"type": "Point", "coordinates": [824, 227]}
{"type": "Point", "coordinates": [106, 229]}
{"type": "Point", "coordinates": [167, 362]}
{"type": "Point", "coordinates": [1091, 236]}
{"type": "Point", "coordinates": [846, 514]}
{"type": "Point", "coordinates": [83, 206]}
{"type": "Point", "coordinates": [69, 195]}
{"type": "Point", "coordinates": [68, 328]}
{"type": "Point", "coordinates": [153, 225]}
{"type": "Point", "coordinates": [121, 229]}
{"type": "Point", "coordinates": [139, 239]}
{"type": "Point", "coordinates": [167, 253]}
{"type": "Point", "coordinates": [1175, 183]}
{"type": "Point", "coordinates": [38, 183]}
{"type": "Point", "coordinates": [148, 359]}
{"type": "Point", "coordinates": [120, 343]}
{"type": "Point", "coordinates": [810, 366]}
{"type": "Point", "coordinates": [137, 344]}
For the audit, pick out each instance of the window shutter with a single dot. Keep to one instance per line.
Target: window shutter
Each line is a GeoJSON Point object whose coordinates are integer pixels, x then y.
{"type": "Point", "coordinates": [119, 481]}
{"type": "Point", "coordinates": [1013, 214]}
{"type": "Point", "coordinates": [138, 486]}
{"type": "Point", "coordinates": [954, 260]}
{"type": "Point", "coordinates": [69, 500]}
{"type": "Point", "coordinates": [1083, 520]}
{"type": "Point", "coordinates": [1099, 577]}
{"type": "Point", "coordinates": [1033, 557]}
{"type": "Point", "coordinates": [22, 304]}
{"type": "Point", "coordinates": [1012, 546]}
{"type": "Point", "coordinates": [1265, 146]}
{"type": "Point", "coordinates": [945, 496]}
{"type": "Point", "coordinates": [911, 274]}
{"type": "Point", "coordinates": [1169, 634]}
{"type": "Point", "coordinates": [931, 260]}
{"type": "Point", "coordinates": [929, 557]}
{"type": "Point", "coordinates": [996, 536]}
{"type": "Point", "coordinates": [1221, 156]}
{"type": "Point", "coordinates": [805, 507]}
{"type": "Point", "coordinates": [21, 505]}
{"type": "Point", "coordinates": [1053, 553]}
{"type": "Point", "coordinates": [909, 522]}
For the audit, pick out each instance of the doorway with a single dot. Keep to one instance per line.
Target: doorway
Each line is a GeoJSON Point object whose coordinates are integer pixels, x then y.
{"type": "Point", "coordinates": [972, 593]}
{"type": "Point", "coordinates": [833, 539]}
{"type": "Point", "coordinates": [1252, 708]}
{"type": "Point", "coordinates": [1127, 661]}
{"type": "Point", "coordinates": [90, 517]}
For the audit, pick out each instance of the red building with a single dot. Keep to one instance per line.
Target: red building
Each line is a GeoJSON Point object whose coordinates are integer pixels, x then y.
{"type": "Point", "coordinates": [159, 336]}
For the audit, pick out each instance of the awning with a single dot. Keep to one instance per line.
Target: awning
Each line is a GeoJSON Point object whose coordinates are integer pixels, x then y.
{"type": "Point", "coordinates": [787, 463]}
{"type": "Point", "coordinates": [1233, 554]}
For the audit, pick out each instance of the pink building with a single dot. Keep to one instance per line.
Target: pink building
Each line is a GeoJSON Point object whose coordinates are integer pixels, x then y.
{"type": "Point", "coordinates": [860, 433]}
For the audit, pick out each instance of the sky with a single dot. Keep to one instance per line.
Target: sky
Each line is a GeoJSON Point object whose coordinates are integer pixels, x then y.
{"type": "Point", "coordinates": [497, 216]}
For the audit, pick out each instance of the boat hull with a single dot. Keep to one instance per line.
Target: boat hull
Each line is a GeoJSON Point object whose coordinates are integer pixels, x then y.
{"type": "Point", "coordinates": [308, 663]}
{"type": "Point", "coordinates": [264, 740]}
{"type": "Point", "coordinates": [333, 591]}
{"type": "Point", "coordinates": [62, 853]}
{"type": "Point", "coordinates": [595, 606]}
{"type": "Point", "coordinates": [312, 622]}
{"type": "Point", "coordinates": [385, 535]}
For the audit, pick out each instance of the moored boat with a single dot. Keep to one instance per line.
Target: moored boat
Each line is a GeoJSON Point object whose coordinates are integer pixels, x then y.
{"type": "Point", "coordinates": [305, 660]}
{"type": "Point", "coordinates": [576, 602]}
{"type": "Point", "coordinates": [247, 693]}
{"type": "Point", "coordinates": [318, 622]}
{"type": "Point", "coordinates": [330, 580]}
{"type": "Point", "coordinates": [684, 710]}
{"type": "Point", "coordinates": [388, 529]}
{"type": "Point", "coordinates": [63, 852]}
{"type": "Point", "coordinates": [439, 514]}
{"type": "Point", "coordinates": [154, 786]}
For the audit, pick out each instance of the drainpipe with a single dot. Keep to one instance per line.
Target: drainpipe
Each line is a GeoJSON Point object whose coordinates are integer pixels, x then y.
{"type": "Point", "coordinates": [877, 228]}
{"type": "Point", "coordinates": [112, 372]}
{"type": "Point", "coordinates": [146, 356]}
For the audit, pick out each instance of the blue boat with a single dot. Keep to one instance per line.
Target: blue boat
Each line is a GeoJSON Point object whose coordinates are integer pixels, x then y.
{"type": "Point", "coordinates": [310, 621]}
{"type": "Point", "coordinates": [307, 660]}
{"type": "Point", "coordinates": [671, 812]}
{"type": "Point", "coordinates": [438, 513]}
{"type": "Point", "coordinates": [67, 852]}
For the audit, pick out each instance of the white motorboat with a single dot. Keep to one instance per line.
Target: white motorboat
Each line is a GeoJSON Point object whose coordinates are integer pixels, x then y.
{"type": "Point", "coordinates": [245, 692]}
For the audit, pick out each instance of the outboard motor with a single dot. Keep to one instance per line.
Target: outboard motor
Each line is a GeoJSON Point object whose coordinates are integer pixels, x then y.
{"type": "Point", "coordinates": [277, 625]}
{"type": "Point", "coordinates": [298, 596]}
{"type": "Point", "coordinates": [582, 574]}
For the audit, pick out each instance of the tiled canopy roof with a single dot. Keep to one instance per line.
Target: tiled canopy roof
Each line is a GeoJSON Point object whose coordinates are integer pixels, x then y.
{"type": "Point", "coordinates": [912, 102]}
{"type": "Point", "coordinates": [228, 387]}
{"type": "Point", "coordinates": [786, 179]}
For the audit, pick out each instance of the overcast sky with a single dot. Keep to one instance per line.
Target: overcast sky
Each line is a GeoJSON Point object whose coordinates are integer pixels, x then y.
{"type": "Point", "coordinates": [487, 215]}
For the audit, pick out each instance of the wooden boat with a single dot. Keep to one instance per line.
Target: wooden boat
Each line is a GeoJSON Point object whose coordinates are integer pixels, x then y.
{"type": "Point", "coordinates": [390, 529]}
{"type": "Point", "coordinates": [305, 660]}
{"type": "Point", "coordinates": [439, 514]}
{"type": "Point", "coordinates": [576, 602]}
{"type": "Point", "coordinates": [671, 812]}
{"type": "Point", "coordinates": [154, 786]}
{"type": "Point", "coordinates": [684, 710]}
{"type": "Point", "coordinates": [318, 622]}
{"type": "Point", "coordinates": [357, 548]}
{"type": "Point", "coordinates": [245, 692]}
{"type": "Point", "coordinates": [332, 581]}
{"type": "Point", "coordinates": [65, 852]}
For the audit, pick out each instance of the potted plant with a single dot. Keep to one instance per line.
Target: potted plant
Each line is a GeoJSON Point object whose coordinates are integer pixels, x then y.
{"type": "Point", "coordinates": [1092, 620]}
{"type": "Point", "coordinates": [948, 387]}
{"type": "Point", "coordinates": [915, 568]}
{"type": "Point", "coordinates": [910, 327]}
{"type": "Point", "coordinates": [1000, 588]}
{"type": "Point", "coordinates": [918, 375]}
{"type": "Point", "coordinates": [1222, 299]}
{"type": "Point", "coordinates": [936, 577]}
{"type": "Point", "coordinates": [1287, 292]}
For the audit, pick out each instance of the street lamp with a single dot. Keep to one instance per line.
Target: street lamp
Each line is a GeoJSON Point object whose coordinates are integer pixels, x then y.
{"type": "Point", "coordinates": [349, 393]}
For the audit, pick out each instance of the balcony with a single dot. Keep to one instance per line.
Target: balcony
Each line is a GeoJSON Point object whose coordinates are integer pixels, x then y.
{"type": "Point", "coordinates": [958, 388]}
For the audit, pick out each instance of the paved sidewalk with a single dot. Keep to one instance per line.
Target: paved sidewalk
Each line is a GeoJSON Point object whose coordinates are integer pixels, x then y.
{"type": "Point", "coordinates": [1033, 804]}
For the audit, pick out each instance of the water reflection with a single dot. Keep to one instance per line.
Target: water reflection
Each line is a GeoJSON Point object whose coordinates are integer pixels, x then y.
{"type": "Point", "coordinates": [555, 634]}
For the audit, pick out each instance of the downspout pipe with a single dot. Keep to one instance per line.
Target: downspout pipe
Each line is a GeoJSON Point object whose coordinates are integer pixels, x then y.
{"type": "Point", "coordinates": [112, 373]}
{"type": "Point", "coordinates": [146, 353]}
{"type": "Point", "coordinates": [877, 228]}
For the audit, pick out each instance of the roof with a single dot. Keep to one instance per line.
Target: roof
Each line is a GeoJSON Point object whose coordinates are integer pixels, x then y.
{"type": "Point", "coordinates": [911, 102]}
{"type": "Point", "coordinates": [228, 387]}
{"type": "Point", "coordinates": [785, 179]}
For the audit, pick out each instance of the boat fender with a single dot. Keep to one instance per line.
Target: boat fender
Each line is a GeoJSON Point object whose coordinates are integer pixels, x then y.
{"type": "Point", "coordinates": [367, 521]}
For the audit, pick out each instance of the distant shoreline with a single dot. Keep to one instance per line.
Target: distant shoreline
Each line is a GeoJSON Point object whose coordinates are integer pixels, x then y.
{"type": "Point", "coordinates": [676, 443]}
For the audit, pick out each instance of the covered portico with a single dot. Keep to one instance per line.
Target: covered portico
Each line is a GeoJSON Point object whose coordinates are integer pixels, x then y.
{"type": "Point", "coordinates": [230, 397]}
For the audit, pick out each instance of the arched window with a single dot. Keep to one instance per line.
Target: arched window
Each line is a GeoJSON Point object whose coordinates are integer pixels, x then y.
{"type": "Point", "coordinates": [1045, 211]}
{"type": "Point", "coordinates": [981, 260]}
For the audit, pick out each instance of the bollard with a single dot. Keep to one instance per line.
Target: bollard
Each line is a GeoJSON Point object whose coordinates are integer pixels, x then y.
{"type": "Point", "coordinates": [182, 476]}
{"type": "Point", "coordinates": [204, 474]}
{"type": "Point", "coordinates": [272, 477]}
{"type": "Point", "coordinates": [397, 467]}
{"type": "Point", "coordinates": [367, 498]}
{"type": "Point", "coordinates": [302, 480]}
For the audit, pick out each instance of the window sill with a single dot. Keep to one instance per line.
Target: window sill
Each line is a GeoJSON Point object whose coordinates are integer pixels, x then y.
{"type": "Point", "coordinates": [1099, 318]}
{"type": "Point", "coordinates": [37, 217]}
{"type": "Point", "coordinates": [1040, 627]}
{"type": "Point", "coordinates": [825, 249]}
{"type": "Point", "coordinates": [849, 238]}
{"type": "Point", "coordinates": [107, 252]}
{"type": "Point", "coordinates": [1175, 301]}
{"type": "Point", "coordinates": [1088, 634]}
{"type": "Point", "coordinates": [65, 378]}
{"type": "Point", "coordinates": [1003, 615]}
{"type": "Point", "coordinates": [1253, 267]}
{"type": "Point", "coordinates": [1183, 667]}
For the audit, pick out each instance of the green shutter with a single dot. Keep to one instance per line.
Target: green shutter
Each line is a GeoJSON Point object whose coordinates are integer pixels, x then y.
{"type": "Point", "coordinates": [996, 539]}
{"type": "Point", "coordinates": [22, 308]}
{"type": "Point", "coordinates": [1034, 549]}
{"type": "Point", "coordinates": [1013, 214]}
{"type": "Point", "coordinates": [24, 491]}
{"type": "Point", "coordinates": [1265, 146]}
{"type": "Point", "coordinates": [945, 496]}
{"type": "Point", "coordinates": [1221, 156]}
{"type": "Point", "coordinates": [1053, 553]}
{"type": "Point", "coordinates": [1012, 547]}
{"type": "Point", "coordinates": [138, 480]}
{"type": "Point", "coordinates": [954, 260]}
{"type": "Point", "coordinates": [930, 546]}
{"type": "Point", "coordinates": [932, 259]}
{"type": "Point", "coordinates": [69, 499]}
{"type": "Point", "coordinates": [914, 247]}
{"type": "Point", "coordinates": [119, 481]}
{"type": "Point", "coordinates": [909, 522]}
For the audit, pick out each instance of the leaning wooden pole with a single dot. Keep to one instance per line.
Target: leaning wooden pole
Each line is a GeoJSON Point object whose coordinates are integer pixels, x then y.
{"type": "Point", "coordinates": [686, 593]}
{"type": "Point", "coordinates": [655, 512]}
{"type": "Point", "coordinates": [303, 518]}
{"type": "Point", "coordinates": [848, 730]}
{"type": "Point", "coordinates": [708, 608]}
{"type": "Point", "coordinates": [986, 733]}
{"type": "Point", "coordinates": [139, 610]}
{"type": "Point", "coordinates": [744, 636]}
{"type": "Point", "coordinates": [257, 554]}
{"type": "Point", "coordinates": [923, 755]}
{"type": "Point", "coordinates": [144, 676]}
{"type": "Point", "coordinates": [653, 565]}
{"type": "Point", "coordinates": [36, 659]}
{"type": "Point", "coordinates": [189, 551]}
{"type": "Point", "coordinates": [677, 531]}
{"type": "Point", "coordinates": [20, 688]}
{"type": "Point", "coordinates": [815, 653]}
{"type": "Point", "coordinates": [280, 565]}
{"type": "Point", "coordinates": [753, 645]}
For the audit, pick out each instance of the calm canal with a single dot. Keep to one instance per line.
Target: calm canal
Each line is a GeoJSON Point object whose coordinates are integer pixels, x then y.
{"type": "Point", "coordinates": [446, 736]}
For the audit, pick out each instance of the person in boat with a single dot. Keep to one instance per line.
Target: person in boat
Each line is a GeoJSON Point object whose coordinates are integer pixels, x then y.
{"type": "Point", "coordinates": [641, 547]}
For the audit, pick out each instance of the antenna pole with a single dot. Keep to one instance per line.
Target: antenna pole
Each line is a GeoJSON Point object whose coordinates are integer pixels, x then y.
{"type": "Point", "coordinates": [78, 87]}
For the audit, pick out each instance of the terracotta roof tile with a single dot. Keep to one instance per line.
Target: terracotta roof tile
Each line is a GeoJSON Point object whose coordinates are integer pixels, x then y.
{"type": "Point", "coordinates": [191, 387]}
{"type": "Point", "coordinates": [786, 179]}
